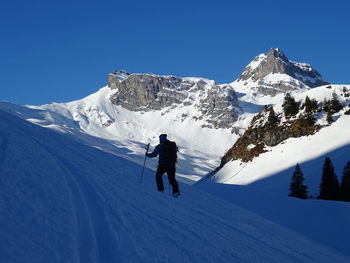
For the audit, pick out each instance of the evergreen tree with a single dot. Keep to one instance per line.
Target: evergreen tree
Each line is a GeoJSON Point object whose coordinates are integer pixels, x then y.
{"type": "Point", "coordinates": [329, 187]}
{"type": "Point", "coordinates": [310, 105]}
{"type": "Point", "coordinates": [329, 117]}
{"type": "Point", "coordinates": [336, 105]}
{"type": "Point", "coordinates": [290, 106]}
{"type": "Point", "coordinates": [332, 106]}
{"type": "Point", "coordinates": [272, 119]}
{"type": "Point", "coordinates": [306, 120]}
{"type": "Point", "coordinates": [345, 183]}
{"type": "Point", "coordinates": [297, 188]}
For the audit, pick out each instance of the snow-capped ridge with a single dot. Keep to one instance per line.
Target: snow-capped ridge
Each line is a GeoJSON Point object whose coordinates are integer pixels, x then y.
{"type": "Point", "coordinates": [275, 62]}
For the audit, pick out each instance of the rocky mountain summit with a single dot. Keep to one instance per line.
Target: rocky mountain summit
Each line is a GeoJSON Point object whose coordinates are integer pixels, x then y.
{"type": "Point", "coordinates": [200, 99]}
{"type": "Point", "coordinates": [273, 73]}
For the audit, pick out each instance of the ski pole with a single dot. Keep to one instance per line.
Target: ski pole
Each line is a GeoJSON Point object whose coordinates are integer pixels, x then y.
{"type": "Point", "coordinates": [169, 188]}
{"type": "Point", "coordinates": [144, 163]}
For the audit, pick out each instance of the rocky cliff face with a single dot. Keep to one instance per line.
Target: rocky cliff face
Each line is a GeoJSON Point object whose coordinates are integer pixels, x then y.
{"type": "Point", "coordinates": [138, 92]}
{"type": "Point", "coordinates": [215, 105]}
{"type": "Point", "coordinates": [218, 107]}
{"type": "Point", "coordinates": [274, 73]}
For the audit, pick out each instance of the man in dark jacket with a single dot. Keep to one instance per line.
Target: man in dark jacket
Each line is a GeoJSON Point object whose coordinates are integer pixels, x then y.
{"type": "Point", "coordinates": [165, 164]}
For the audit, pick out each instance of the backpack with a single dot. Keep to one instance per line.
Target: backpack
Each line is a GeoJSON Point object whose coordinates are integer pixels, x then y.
{"type": "Point", "coordinates": [171, 151]}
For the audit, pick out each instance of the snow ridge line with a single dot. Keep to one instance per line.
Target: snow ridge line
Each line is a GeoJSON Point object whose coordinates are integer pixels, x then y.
{"type": "Point", "coordinates": [240, 170]}
{"type": "Point", "coordinates": [212, 175]}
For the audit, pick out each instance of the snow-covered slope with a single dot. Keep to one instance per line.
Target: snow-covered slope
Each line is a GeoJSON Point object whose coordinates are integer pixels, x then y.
{"type": "Point", "coordinates": [62, 201]}
{"type": "Point", "coordinates": [95, 121]}
{"type": "Point", "coordinates": [326, 222]}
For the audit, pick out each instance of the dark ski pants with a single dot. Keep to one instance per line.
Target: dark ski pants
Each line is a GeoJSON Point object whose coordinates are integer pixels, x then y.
{"type": "Point", "coordinates": [170, 170]}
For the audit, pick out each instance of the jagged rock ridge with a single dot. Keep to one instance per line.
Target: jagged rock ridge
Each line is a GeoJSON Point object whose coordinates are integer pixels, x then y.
{"type": "Point", "coordinates": [274, 73]}
{"type": "Point", "coordinates": [215, 105]}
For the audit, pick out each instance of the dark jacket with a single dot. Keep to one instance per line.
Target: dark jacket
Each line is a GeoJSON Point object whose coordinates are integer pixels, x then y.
{"type": "Point", "coordinates": [160, 150]}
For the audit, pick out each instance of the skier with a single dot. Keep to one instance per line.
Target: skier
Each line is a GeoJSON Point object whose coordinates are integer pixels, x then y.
{"type": "Point", "coordinates": [167, 152]}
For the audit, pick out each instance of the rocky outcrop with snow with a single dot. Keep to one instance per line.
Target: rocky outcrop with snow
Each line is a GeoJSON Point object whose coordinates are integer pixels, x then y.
{"type": "Point", "coordinates": [216, 105]}
{"type": "Point", "coordinates": [274, 73]}
{"type": "Point", "coordinates": [272, 126]}
{"type": "Point", "coordinates": [138, 92]}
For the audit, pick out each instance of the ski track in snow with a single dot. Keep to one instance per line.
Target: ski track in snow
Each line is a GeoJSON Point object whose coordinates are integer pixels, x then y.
{"type": "Point", "coordinates": [92, 228]}
{"type": "Point", "coordinates": [97, 241]}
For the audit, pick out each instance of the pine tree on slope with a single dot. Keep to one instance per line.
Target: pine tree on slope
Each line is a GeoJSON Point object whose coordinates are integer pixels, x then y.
{"type": "Point", "coordinates": [310, 105]}
{"type": "Point", "coordinates": [329, 117]}
{"type": "Point", "coordinates": [345, 183]}
{"type": "Point", "coordinates": [332, 106]}
{"type": "Point", "coordinates": [329, 187]}
{"type": "Point", "coordinates": [272, 118]}
{"type": "Point", "coordinates": [297, 188]}
{"type": "Point", "coordinates": [290, 106]}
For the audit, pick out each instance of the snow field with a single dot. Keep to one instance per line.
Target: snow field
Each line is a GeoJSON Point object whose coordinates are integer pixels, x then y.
{"type": "Point", "coordinates": [63, 201]}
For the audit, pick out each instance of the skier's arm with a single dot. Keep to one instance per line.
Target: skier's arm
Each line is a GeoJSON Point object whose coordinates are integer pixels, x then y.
{"type": "Point", "coordinates": [154, 153]}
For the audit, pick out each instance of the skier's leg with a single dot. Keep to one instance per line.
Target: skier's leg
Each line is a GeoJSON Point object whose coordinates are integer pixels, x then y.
{"type": "Point", "coordinates": [171, 176]}
{"type": "Point", "coordinates": [159, 179]}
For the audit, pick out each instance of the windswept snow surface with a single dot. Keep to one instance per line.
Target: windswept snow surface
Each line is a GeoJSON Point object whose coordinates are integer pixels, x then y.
{"type": "Point", "coordinates": [62, 201]}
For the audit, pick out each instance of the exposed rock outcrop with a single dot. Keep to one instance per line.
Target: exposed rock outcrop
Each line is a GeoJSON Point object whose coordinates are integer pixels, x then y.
{"type": "Point", "coordinates": [252, 143]}
{"type": "Point", "coordinates": [215, 105]}
{"type": "Point", "coordinates": [148, 92]}
{"type": "Point", "coordinates": [262, 133]}
{"type": "Point", "coordinates": [219, 107]}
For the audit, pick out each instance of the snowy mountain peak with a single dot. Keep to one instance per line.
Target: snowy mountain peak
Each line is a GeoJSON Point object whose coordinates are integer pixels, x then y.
{"type": "Point", "coordinates": [273, 73]}
{"type": "Point", "coordinates": [276, 53]}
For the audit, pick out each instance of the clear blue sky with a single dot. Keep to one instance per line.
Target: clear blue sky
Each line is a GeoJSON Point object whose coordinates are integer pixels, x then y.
{"type": "Point", "coordinates": [63, 50]}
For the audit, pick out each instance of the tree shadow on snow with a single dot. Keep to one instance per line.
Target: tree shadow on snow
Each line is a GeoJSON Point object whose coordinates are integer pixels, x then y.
{"type": "Point", "coordinates": [312, 170]}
